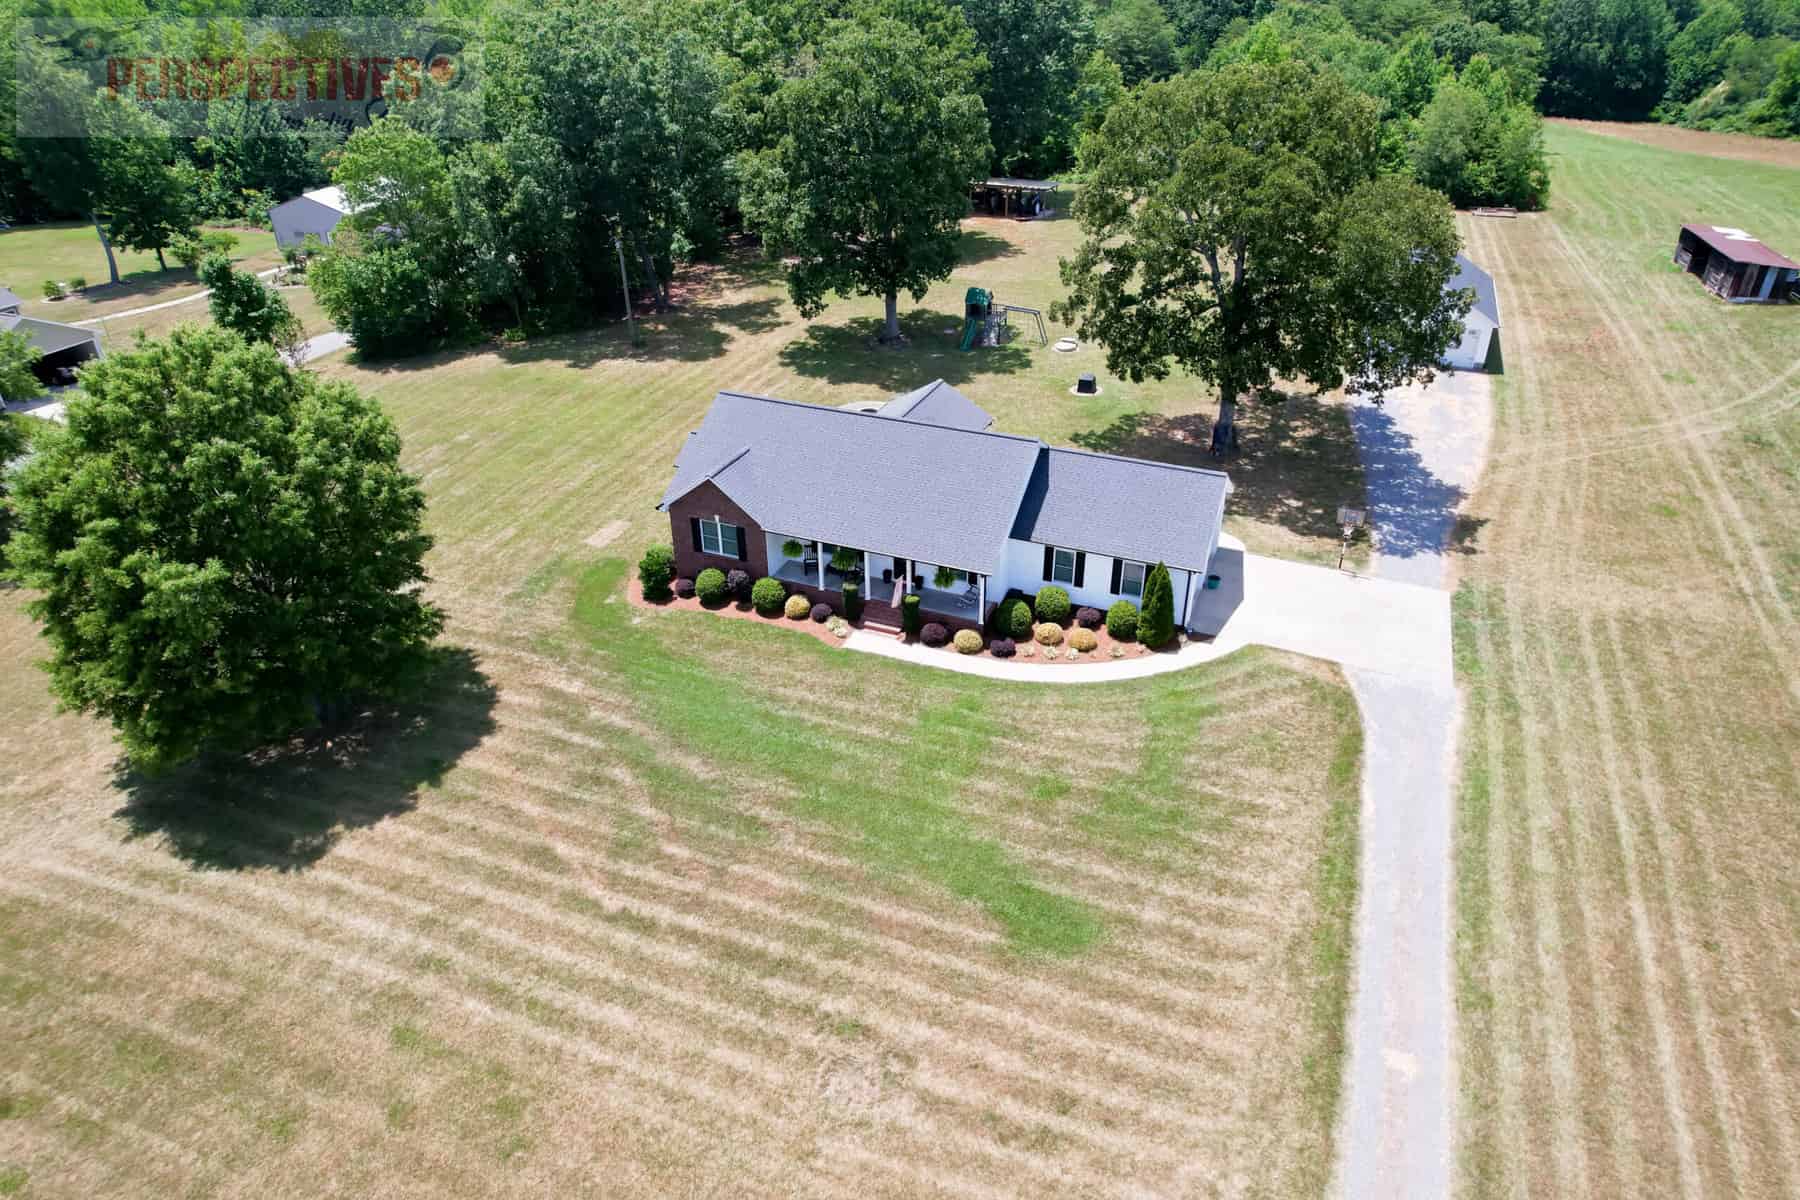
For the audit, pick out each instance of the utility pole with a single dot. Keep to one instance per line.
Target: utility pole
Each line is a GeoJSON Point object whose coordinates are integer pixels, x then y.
{"type": "Point", "coordinates": [625, 287]}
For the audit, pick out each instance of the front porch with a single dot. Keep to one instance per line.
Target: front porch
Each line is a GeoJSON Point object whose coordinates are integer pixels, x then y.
{"type": "Point", "coordinates": [966, 600]}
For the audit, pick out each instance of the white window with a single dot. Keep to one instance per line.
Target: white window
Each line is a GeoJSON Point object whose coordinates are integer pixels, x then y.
{"type": "Point", "coordinates": [1062, 567]}
{"type": "Point", "coordinates": [716, 537]}
{"type": "Point", "coordinates": [1131, 579]}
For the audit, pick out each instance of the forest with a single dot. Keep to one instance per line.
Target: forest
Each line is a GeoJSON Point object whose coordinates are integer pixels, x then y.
{"type": "Point", "coordinates": [551, 146]}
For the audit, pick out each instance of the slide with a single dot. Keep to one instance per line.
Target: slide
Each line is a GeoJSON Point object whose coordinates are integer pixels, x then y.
{"type": "Point", "coordinates": [971, 331]}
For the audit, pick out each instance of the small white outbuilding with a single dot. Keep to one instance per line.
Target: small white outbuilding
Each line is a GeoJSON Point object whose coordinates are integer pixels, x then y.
{"type": "Point", "coordinates": [316, 212]}
{"type": "Point", "coordinates": [1481, 328]}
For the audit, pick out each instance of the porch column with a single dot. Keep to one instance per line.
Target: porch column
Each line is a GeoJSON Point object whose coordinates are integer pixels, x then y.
{"type": "Point", "coordinates": [981, 597]}
{"type": "Point", "coordinates": [868, 577]}
{"type": "Point", "coordinates": [819, 551]}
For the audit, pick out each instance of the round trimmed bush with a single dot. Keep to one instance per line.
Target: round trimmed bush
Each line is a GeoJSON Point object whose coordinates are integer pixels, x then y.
{"type": "Point", "coordinates": [820, 612]}
{"type": "Point", "coordinates": [934, 634]}
{"type": "Point", "coordinates": [1053, 605]}
{"type": "Point", "coordinates": [967, 641]}
{"type": "Point", "coordinates": [738, 583]}
{"type": "Point", "coordinates": [1048, 633]}
{"type": "Point", "coordinates": [1002, 648]}
{"type": "Point", "coordinates": [684, 588]}
{"type": "Point", "coordinates": [1082, 640]}
{"type": "Point", "coordinates": [1017, 622]}
{"type": "Point", "coordinates": [1089, 618]}
{"type": "Point", "coordinates": [767, 594]}
{"type": "Point", "coordinates": [655, 570]}
{"type": "Point", "coordinates": [709, 585]}
{"type": "Point", "coordinates": [798, 607]}
{"type": "Point", "coordinates": [1122, 620]}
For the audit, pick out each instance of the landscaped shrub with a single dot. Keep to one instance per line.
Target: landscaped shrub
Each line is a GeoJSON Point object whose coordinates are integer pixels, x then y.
{"type": "Point", "coordinates": [766, 596]}
{"type": "Point", "coordinates": [738, 583]}
{"type": "Point", "coordinates": [1053, 605]}
{"type": "Point", "coordinates": [77, 283]}
{"type": "Point", "coordinates": [1002, 648]}
{"type": "Point", "coordinates": [934, 634]}
{"type": "Point", "coordinates": [684, 588]}
{"type": "Point", "coordinates": [1089, 618]}
{"type": "Point", "coordinates": [1122, 620]}
{"type": "Point", "coordinates": [853, 602]}
{"type": "Point", "coordinates": [709, 585]}
{"type": "Point", "coordinates": [1156, 620]}
{"type": "Point", "coordinates": [655, 570]}
{"type": "Point", "coordinates": [909, 614]}
{"type": "Point", "coordinates": [1048, 633]}
{"type": "Point", "coordinates": [967, 641]}
{"type": "Point", "coordinates": [838, 627]}
{"type": "Point", "coordinates": [1082, 639]}
{"type": "Point", "coordinates": [798, 607]}
{"type": "Point", "coordinates": [820, 612]}
{"type": "Point", "coordinates": [53, 290]}
{"type": "Point", "coordinates": [1018, 620]}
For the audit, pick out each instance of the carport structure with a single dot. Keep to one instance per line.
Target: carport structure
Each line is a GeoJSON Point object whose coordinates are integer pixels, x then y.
{"type": "Point", "coordinates": [63, 347]}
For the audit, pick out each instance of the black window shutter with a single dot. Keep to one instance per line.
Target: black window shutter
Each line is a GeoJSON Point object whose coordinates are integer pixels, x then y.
{"type": "Point", "coordinates": [1080, 566]}
{"type": "Point", "coordinates": [694, 528]}
{"type": "Point", "coordinates": [743, 545]}
{"type": "Point", "coordinates": [1049, 561]}
{"type": "Point", "coordinates": [1118, 569]}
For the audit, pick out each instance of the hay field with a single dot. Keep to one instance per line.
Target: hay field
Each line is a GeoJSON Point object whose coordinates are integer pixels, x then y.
{"type": "Point", "coordinates": [1629, 629]}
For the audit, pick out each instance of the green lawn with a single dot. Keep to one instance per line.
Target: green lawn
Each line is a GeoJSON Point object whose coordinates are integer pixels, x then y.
{"type": "Point", "coordinates": [31, 254]}
{"type": "Point", "coordinates": [685, 904]}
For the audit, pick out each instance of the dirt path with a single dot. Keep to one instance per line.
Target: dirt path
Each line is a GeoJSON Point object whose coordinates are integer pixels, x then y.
{"type": "Point", "coordinates": [1422, 452]}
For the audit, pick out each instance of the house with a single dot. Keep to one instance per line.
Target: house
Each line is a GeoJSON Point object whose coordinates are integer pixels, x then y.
{"type": "Point", "coordinates": [1735, 266]}
{"type": "Point", "coordinates": [316, 212]}
{"type": "Point", "coordinates": [64, 347]}
{"type": "Point", "coordinates": [920, 484]}
{"type": "Point", "coordinates": [1481, 328]}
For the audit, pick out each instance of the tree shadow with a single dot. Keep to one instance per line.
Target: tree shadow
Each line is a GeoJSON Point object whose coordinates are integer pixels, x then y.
{"type": "Point", "coordinates": [1413, 511]}
{"type": "Point", "coordinates": [284, 806]}
{"type": "Point", "coordinates": [141, 288]}
{"type": "Point", "coordinates": [851, 352]}
{"type": "Point", "coordinates": [1296, 462]}
{"type": "Point", "coordinates": [978, 246]}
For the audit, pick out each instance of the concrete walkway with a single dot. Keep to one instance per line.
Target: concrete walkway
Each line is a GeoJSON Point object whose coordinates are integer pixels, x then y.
{"type": "Point", "coordinates": [1422, 452]}
{"type": "Point", "coordinates": [329, 342]}
{"type": "Point", "coordinates": [1384, 628]}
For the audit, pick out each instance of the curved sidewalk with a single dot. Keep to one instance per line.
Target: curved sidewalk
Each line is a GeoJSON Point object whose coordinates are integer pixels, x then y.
{"type": "Point", "coordinates": [1378, 626]}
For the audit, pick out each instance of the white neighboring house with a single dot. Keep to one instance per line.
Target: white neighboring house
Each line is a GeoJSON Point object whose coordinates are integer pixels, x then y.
{"type": "Point", "coordinates": [316, 212]}
{"type": "Point", "coordinates": [1482, 326]}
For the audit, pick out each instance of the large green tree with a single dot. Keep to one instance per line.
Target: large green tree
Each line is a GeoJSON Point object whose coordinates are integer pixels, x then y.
{"type": "Point", "coordinates": [1604, 58]}
{"type": "Point", "coordinates": [1035, 51]}
{"type": "Point", "coordinates": [868, 177]}
{"type": "Point", "coordinates": [1478, 145]}
{"type": "Point", "coordinates": [227, 549]}
{"type": "Point", "coordinates": [1138, 35]}
{"type": "Point", "coordinates": [18, 360]}
{"type": "Point", "coordinates": [1238, 228]}
{"type": "Point", "coordinates": [249, 307]}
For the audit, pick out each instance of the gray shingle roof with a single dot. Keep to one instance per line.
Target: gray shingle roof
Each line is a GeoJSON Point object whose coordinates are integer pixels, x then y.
{"type": "Point", "coordinates": [1470, 276]}
{"type": "Point", "coordinates": [48, 336]}
{"type": "Point", "coordinates": [937, 403]}
{"type": "Point", "coordinates": [1123, 507]}
{"type": "Point", "coordinates": [927, 492]}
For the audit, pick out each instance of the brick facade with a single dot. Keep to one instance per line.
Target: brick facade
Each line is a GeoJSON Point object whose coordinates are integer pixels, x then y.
{"type": "Point", "coordinates": [708, 501]}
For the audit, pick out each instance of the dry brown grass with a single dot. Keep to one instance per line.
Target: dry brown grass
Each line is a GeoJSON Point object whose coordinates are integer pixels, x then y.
{"type": "Point", "coordinates": [1745, 147]}
{"type": "Point", "coordinates": [1630, 630]}
{"type": "Point", "coordinates": [639, 904]}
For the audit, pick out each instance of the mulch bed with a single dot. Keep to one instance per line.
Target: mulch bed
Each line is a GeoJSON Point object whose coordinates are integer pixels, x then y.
{"type": "Point", "coordinates": [1029, 651]}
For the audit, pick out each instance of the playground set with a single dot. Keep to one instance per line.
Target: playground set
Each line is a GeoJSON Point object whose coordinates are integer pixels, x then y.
{"type": "Point", "coordinates": [985, 320]}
